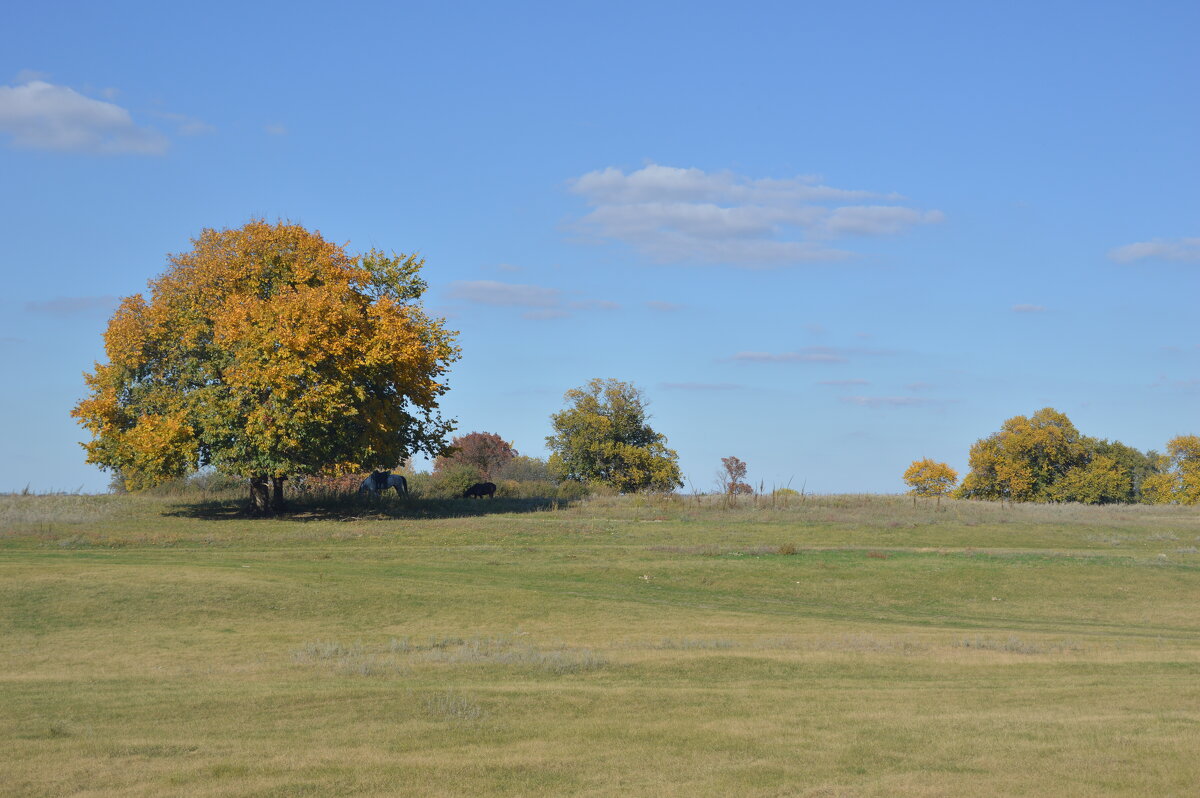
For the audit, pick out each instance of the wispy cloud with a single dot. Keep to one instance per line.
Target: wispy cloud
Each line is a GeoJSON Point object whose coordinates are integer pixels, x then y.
{"type": "Point", "coordinates": [1174, 249]}
{"type": "Point", "coordinates": [807, 354]}
{"type": "Point", "coordinates": [699, 386]}
{"type": "Point", "coordinates": [275, 130]}
{"type": "Point", "coordinates": [42, 116]}
{"type": "Point", "coordinates": [492, 292]}
{"type": "Point", "coordinates": [593, 304]}
{"type": "Point", "coordinates": [844, 383]}
{"type": "Point", "coordinates": [543, 303]}
{"type": "Point", "coordinates": [70, 306]}
{"type": "Point", "coordinates": [664, 307]}
{"type": "Point", "coordinates": [810, 355]}
{"type": "Point", "coordinates": [890, 401]}
{"type": "Point", "coordinates": [30, 75]}
{"type": "Point", "coordinates": [545, 314]}
{"type": "Point", "coordinates": [672, 215]}
{"type": "Point", "coordinates": [1028, 308]}
{"type": "Point", "coordinates": [188, 125]}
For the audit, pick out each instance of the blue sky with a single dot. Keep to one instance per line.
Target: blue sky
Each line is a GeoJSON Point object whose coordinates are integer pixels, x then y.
{"type": "Point", "coordinates": [826, 238]}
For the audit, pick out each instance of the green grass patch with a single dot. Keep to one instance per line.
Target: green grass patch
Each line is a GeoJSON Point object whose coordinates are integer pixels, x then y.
{"type": "Point", "coordinates": [630, 645]}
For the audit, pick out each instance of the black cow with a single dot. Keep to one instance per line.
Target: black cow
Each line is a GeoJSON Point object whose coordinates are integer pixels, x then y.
{"type": "Point", "coordinates": [479, 490]}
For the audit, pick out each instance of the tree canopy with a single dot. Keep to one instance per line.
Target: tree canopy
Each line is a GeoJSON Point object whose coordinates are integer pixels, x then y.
{"type": "Point", "coordinates": [486, 452]}
{"type": "Point", "coordinates": [928, 477]}
{"type": "Point", "coordinates": [1178, 481]}
{"type": "Point", "coordinates": [1045, 458]}
{"type": "Point", "coordinates": [267, 351]}
{"type": "Point", "coordinates": [603, 436]}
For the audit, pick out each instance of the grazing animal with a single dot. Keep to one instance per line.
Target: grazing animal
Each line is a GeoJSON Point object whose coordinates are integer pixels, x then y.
{"type": "Point", "coordinates": [380, 481]}
{"type": "Point", "coordinates": [479, 490]}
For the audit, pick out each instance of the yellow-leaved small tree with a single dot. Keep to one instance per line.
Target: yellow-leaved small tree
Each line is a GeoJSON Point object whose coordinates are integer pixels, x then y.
{"type": "Point", "coordinates": [928, 477]}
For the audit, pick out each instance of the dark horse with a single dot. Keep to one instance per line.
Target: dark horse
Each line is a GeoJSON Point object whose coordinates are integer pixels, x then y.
{"type": "Point", "coordinates": [479, 490]}
{"type": "Point", "coordinates": [380, 481]}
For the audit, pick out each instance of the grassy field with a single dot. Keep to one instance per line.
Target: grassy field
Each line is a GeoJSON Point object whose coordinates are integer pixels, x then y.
{"type": "Point", "coordinates": [840, 646]}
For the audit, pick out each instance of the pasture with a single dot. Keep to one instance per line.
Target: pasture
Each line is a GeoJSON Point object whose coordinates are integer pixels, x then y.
{"type": "Point", "coordinates": [837, 646]}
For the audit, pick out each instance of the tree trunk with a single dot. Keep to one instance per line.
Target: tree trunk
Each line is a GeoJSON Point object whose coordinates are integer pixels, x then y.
{"type": "Point", "coordinates": [260, 503]}
{"type": "Point", "coordinates": [277, 504]}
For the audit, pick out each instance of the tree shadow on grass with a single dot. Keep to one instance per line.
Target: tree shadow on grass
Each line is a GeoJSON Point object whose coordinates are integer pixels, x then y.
{"type": "Point", "coordinates": [305, 509]}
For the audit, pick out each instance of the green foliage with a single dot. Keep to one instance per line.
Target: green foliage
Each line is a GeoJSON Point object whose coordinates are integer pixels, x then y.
{"type": "Point", "coordinates": [603, 436]}
{"type": "Point", "coordinates": [1100, 481]}
{"type": "Point", "coordinates": [1136, 466]}
{"type": "Point", "coordinates": [452, 480]}
{"type": "Point", "coordinates": [525, 469]}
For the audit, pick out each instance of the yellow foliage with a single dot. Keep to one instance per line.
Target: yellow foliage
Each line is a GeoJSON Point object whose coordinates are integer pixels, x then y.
{"type": "Point", "coordinates": [930, 478]}
{"type": "Point", "coordinates": [1101, 481]}
{"type": "Point", "coordinates": [269, 351]}
{"type": "Point", "coordinates": [1024, 460]}
{"type": "Point", "coordinates": [1160, 488]}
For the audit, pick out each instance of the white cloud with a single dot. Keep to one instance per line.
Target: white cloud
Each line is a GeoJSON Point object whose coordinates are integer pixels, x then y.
{"type": "Point", "coordinates": [1028, 309]}
{"type": "Point", "coordinates": [844, 383]}
{"type": "Point", "coordinates": [42, 116]}
{"type": "Point", "coordinates": [673, 214]}
{"type": "Point", "coordinates": [69, 306]}
{"type": "Point", "coordinates": [878, 220]}
{"type": "Point", "coordinates": [1176, 249]}
{"type": "Point", "coordinates": [276, 130]}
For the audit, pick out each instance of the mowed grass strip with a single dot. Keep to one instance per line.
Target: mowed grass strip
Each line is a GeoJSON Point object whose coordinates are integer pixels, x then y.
{"type": "Point", "coordinates": [839, 646]}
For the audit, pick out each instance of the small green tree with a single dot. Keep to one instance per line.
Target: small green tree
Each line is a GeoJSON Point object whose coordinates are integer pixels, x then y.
{"type": "Point", "coordinates": [927, 477]}
{"type": "Point", "coordinates": [603, 436]}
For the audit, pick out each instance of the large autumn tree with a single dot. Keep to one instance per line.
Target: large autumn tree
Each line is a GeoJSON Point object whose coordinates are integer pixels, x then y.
{"type": "Point", "coordinates": [603, 436]}
{"type": "Point", "coordinates": [269, 352]}
{"type": "Point", "coordinates": [1024, 460]}
{"type": "Point", "coordinates": [1044, 458]}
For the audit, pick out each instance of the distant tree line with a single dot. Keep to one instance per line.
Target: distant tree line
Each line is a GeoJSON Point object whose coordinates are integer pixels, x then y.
{"type": "Point", "coordinates": [1044, 458]}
